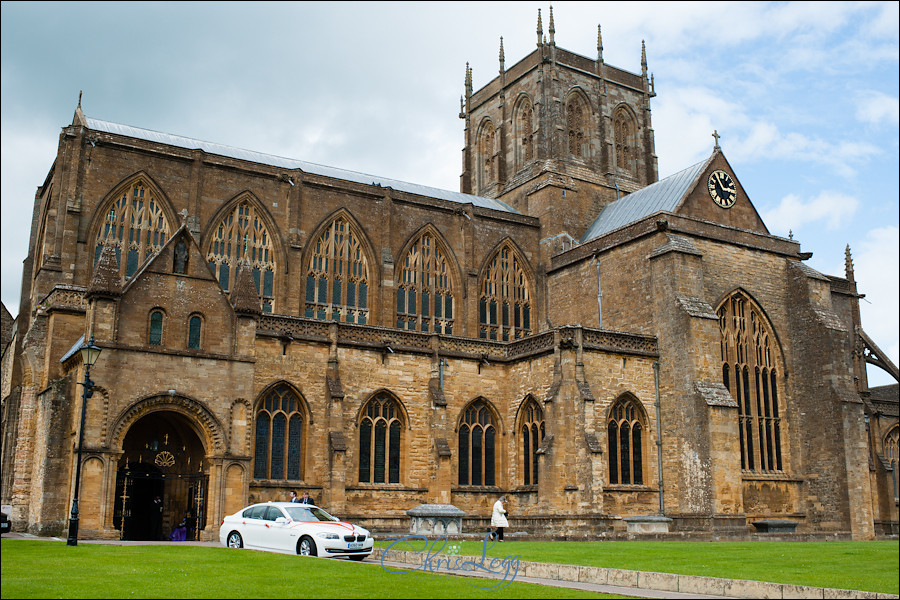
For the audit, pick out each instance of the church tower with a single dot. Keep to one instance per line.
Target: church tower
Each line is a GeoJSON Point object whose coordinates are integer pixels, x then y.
{"type": "Point", "coordinates": [558, 136]}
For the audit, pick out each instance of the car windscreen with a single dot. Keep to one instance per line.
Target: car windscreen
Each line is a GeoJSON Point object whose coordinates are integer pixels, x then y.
{"type": "Point", "coordinates": [301, 513]}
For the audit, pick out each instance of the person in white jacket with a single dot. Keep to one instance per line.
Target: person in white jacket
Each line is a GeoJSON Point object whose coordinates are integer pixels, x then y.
{"type": "Point", "coordinates": [498, 519]}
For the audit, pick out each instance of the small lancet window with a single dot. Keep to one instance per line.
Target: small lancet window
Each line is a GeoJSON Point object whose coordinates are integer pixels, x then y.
{"type": "Point", "coordinates": [156, 328]}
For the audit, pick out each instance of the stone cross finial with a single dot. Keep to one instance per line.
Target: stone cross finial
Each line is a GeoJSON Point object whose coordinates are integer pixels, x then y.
{"type": "Point", "coordinates": [716, 135]}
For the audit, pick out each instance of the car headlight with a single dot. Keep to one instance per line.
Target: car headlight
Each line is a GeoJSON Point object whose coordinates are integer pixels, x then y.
{"type": "Point", "coordinates": [328, 536]}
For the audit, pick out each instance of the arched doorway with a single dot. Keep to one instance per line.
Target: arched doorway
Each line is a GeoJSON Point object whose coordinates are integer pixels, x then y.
{"type": "Point", "coordinates": [162, 480]}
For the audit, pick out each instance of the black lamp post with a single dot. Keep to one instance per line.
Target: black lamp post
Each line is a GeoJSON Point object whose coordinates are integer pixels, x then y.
{"type": "Point", "coordinates": [89, 355]}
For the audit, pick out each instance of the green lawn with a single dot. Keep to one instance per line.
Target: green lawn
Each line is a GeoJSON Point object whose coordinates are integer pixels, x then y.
{"type": "Point", "coordinates": [49, 569]}
{"type": "Point", "coordinates": [868, 566]}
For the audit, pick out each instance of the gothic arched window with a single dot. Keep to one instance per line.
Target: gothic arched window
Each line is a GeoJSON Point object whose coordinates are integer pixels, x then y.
{"type": "Point", "coordinates": [477, 446]}
{"type": "Point", "coordinates": [532, 433]}
{"type": "Point", "coordinates": [749, 372]}
{"type": "Point", "coordinates": [337, 277]}
{"type": "Point", "coordinates": [278, 452]}
{"type": "Point", "coordinates": [625, 430]}
{"type": "Point", "coordinates": [624, 131]}
{"type": "Point", "coordinates": [486, 155]}
{"type": "Point", "coordinates": [136, 225]}
{"type": "Point", "coordinates": [424, 294]}
{"type": "Point", "coordinates": [505, 304]}
{"type": "Point", "coordinates": [525, 133]}
{"type": "Point", "coordinates": [380, 440]}
{"type": "Point", "coordinates": [892, 454]}
{"type": "Point", "coordinates": [243, 234]}
{"type": "Point", "coordinates": [576, 116]}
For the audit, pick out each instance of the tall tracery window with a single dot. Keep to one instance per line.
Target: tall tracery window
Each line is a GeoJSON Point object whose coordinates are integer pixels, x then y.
{"type": "Point", "coordinates": [424, 295]}
{"type": "Point", "coordinates": [243, 234]}
{"type": "Point", "coordinates": [576, 115]}
{"type": "Point", "coordinates": [477, 446]}
{"type": "Point", "coordinates": [278, 452]}
{"type": "Point", "coordinates": [892, 454]}
{"type": "Point", "coordinates": [337, 278]}
{"type": "Point", "coordinates": [624, 130]}
{"type": "Point", "coordinates": [749, 373]}
{"type": "Point", "coordinates": [505, 305]}
{"type": "Point", "coordinates": [136, 225]}
{"type": "Point", "coordinates": [532, 432]}
{"type": "Point", "coordinates": [486, 153]}
{"type": "Point", "coordinates": [525, 130]}
{"type": "Point", "coordinates": [626, 446]}
{"type": "Point", "coordinates": [380, 442]}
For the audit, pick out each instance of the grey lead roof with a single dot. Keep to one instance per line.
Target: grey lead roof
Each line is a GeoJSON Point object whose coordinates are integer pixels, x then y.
{"type": "Point", "coordinates": [289, 163]}
{"type": "Point", "coordinates": [663, 195]}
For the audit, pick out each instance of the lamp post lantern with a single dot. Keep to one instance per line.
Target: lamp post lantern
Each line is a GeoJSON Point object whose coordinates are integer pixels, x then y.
{"type": "Point", "coordinates": [89, 355]}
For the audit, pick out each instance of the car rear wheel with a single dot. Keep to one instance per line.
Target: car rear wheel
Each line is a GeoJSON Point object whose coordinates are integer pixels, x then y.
{"type": "Point", "coordinates": [306, 546]}
{"type": "Point", "coordinates": [234, 540]}
{"type": "Point", "coordinates": [358, 557]}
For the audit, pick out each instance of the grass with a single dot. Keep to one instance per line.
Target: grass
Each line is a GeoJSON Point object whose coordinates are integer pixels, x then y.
{"type": "Point", "coordinates": [867, 566]}
{"type": "Point", "coordinates": [50, 569]}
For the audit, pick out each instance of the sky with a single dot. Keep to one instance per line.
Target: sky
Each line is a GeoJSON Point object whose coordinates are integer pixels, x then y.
{"type": "Point", "coordinates": [803, 94]}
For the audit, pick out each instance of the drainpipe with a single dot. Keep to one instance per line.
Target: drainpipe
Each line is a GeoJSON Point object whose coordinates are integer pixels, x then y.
{"type": "Point", "coordinates": [658, 437]}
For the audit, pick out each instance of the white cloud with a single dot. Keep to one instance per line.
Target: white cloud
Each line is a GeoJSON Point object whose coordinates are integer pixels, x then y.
{"type": "Point", "coordinates": [877, 108]}
{"type": "Point", "coordinates": [876, 267]}
{"type": "Point", "coordinates": [793, 212]}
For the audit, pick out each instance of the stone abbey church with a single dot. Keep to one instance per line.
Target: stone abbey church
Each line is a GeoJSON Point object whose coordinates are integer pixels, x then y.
{"type": "Point", "coordinates": [567, 329]}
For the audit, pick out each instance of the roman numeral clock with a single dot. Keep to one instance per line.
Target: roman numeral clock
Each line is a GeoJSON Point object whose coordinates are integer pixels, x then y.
{"type": "Point", "coordinates": [721, 188]}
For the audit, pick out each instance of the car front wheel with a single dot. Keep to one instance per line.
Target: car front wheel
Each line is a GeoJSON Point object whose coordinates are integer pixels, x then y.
{"type": "Point", "coordinates": [234, 540]}
{"type": "Point", "coordinates": [306, 546]}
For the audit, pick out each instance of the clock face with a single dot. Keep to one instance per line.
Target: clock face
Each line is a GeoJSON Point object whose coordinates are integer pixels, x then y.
{"type": "Point", "coordinates": [722, 189]}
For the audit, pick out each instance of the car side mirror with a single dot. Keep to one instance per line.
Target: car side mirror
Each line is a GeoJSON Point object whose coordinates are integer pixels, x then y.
{"type": "Point", "coordinates": [281, 520]}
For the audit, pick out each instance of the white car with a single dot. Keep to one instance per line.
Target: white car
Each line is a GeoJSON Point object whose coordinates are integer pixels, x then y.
{"type": "Point", "coordinates": [294, 528]}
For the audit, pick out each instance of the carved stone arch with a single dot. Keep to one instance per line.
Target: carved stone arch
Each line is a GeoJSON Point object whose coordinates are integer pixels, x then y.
{"type": "Point", "coordinates": [625, 146]}
{"type": "Point", "coordinates": [522, 135]}
{"type": "Point", "coordinates": [373, 265]}
{"type": "Point", "coordinates": [528, 398]}
{"type": "Point", "coordinates": [403, 410]}
{"type": "Point", "coordinates": [504, 318]}
{"type": "Point", "coordinates": [520, 254]}
{"type": "Point", "coordinates": [435, 319]}
{"type": "Point", "coordinates": [485, 156]}
{"type": "Point", "coordinates": [261, 210]}
{"type": "Point", "coordinates": [134, 250]}
{"type": "Point", "coordinates": [307, 410]}
{"type": "Point", "coordinates": [429, 228]}
{"type": "Point", "coordinates": [626, 397]}
{"type": "Point", "coordinates": [495, 414]}
{"type": "Point", "coordinates": [248, 439]}
{"type": "Point", "coordinates": [578, 124]}
{"type": "Point", "coordinates": [752, 369]}
{"type": "Point", "coordinates": [768, 321]}
{"type": "Point", "coordinates": [577, 90]}
{"type": "Point", "coordinates": [101, 212]}
{"type": "Point", "coordinates": [205, 424]}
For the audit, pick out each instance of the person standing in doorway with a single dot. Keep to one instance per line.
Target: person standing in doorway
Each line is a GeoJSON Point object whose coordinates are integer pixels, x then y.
{"type": "Point", "coordinates": [157, 517]}
{"type": "Point", "coordinates": [498, 519]}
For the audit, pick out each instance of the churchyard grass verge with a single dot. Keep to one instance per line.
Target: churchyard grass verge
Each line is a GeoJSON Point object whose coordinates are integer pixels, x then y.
{"type": "Point", "coordinates": [868, 566]}
{"type": "Point", "coordinates": [51, 569]}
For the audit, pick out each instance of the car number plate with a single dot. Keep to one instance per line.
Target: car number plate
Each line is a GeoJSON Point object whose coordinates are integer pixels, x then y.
{"type": "Point", "coordinates": [355, 545]}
